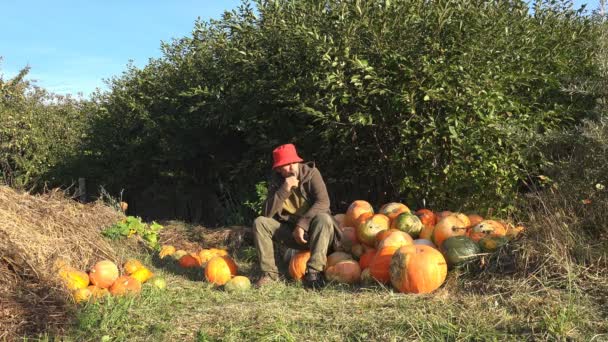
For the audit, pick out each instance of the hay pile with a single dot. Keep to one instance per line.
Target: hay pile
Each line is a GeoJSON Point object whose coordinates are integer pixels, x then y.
{"type": "Point", "coordinates": [34, 232]}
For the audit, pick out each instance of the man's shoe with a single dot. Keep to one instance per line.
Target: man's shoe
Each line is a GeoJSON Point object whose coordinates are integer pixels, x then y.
{"type": "Point", "coordinates": [313, 279]}
{"type": "Point", "coordinates": [267, 278]}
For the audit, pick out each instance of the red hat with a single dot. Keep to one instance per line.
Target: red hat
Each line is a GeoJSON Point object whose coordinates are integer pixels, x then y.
{"type": "Point", "coordinates": [285, 154]}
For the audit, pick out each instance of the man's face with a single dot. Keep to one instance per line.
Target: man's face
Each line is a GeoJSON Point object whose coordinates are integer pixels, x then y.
{"type": "Point", "coordinates": [288, 170]}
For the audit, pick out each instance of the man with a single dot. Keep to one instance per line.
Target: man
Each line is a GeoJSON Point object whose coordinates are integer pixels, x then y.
{"type": "Point", "coordinates": [297, 214]}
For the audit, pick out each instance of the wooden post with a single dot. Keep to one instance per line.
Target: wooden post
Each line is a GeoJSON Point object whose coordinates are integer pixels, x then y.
{"type": "Point", "coordinates": [82, 190]}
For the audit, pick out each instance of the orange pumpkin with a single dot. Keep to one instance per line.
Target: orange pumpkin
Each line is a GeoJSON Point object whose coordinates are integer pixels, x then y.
{"type": "Point", "coordinates": [336, 257]}
{"type": "Point", "coordinates": [379, 267]}
{"type": "Point", "coordinates": [368, 228]}
{"type": "Point", "coordinates": [355, 210]}
{"type": "Point", "coordinates": [220, 269]}
{"type": "Point", "coordinates": [124, 285]}
{"type": "Point", "coordinates": [487, 228]}
{"type": "Point", "coordinates": [417, 269]}
{"type": "Point", "coordinates": [427, 217]}
{"type": "Point", "coordinates": [393, 209]}
{"type": "Point", "coordinates": [190, 261]}
{"type": "Point", "coordinates": [474, 219]}
{"type": "Point", "coordinates": [367, 258]}
{"type": "Point", "coordinates": [464, 218]}
{"type": "Point", "coordinates": [383, 234]}
{"type": "Point", "coordinates": [346, 271]}
{"type": "Point", "coordinates": [396, 238]}
{"type": "Point", "coordinates": [426, 233]}
{"type": "Point", "coordinates": [131, 266]}
{"type": "Point", "coordinates": [297, 264]}
{"type": "Point", "coordinates": [449, 226]}
{"type": "Point", "coordinates": [103, 274]}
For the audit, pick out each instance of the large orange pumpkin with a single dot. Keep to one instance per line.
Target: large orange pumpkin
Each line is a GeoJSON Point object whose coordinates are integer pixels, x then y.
{"type": "Point", "coordinates": [427, 217]}
{"type": "Point", "coordinates": [396, 238]}
{"type": "Point", "coordinates": [336, 257]}
{"type": "Point", "coordinates": [417, 269]}
{"type": "Point", "coordinates": [346, 271]}
{"type": "Point", "coordinates": [393, 209]}
{"type": "Point", "coordinates": [131, 266]}
{"type": "Point", "coordinates": [355, 210]}
{"type": "Point", "coordinates": [379, 267]}
{"type": "Point", "coordinates": [449, 226]}
{"type": "Point", "coordinates": [103, 274]}
{"type": "Point", "coordinates": [367, 258]}
{"type": "Point", "coordinates": [367, 229]}
{"type": "Point", "coordinates": [487, 228]}
{"type": "Point", "coordinates": [220, 269]}
{"type": "Point", "coordinates": [190, 261]}
{"type": "Point", "coordinates": [125, 284]}
{"type": "Point", "coordinates": [297, 264]}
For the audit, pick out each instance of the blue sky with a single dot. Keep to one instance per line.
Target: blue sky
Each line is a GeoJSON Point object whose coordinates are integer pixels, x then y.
{"type": "Point", "coordinates": [71, 46]}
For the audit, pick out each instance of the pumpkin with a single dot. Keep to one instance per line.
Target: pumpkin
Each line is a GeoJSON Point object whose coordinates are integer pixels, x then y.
{"type": "Point", "coordinates": [190, 261]}
{"type": "Point", "coordinates": [372, 225]}
{"type": "Point", "coordinates": [131, 266]}
{"type": "Point", "coordinates": [474, 219]}
{"type": "Point", "coordinates": [447, 227]}
{"type": "Point", "coordinates": [336, 257]}
{"type": "Point", "coordinates": [349, 238]}
{"type": "Point", "coordinates": [103, 274]}
{"type": "Point", "coordinates": [424, 242]}
{"type": "Point", "coordinates": [125, 284]}
{"type": "Point", "coordinates": [427, 217]}
{"type": "Point", "coordinates": [207, 254]}
{"type": "Point", "coordinates": [459, 250]}
{"type": "Point", "coordinates": [379, 267]}
{"type": "Point", "coordinates": [142, 274]}
{"type": "Point", "coordinates": [355, 210]}
{"type": "Point", "coordinates": [341, 219]}
{"type": "Point", "coordinates": [346, 271]}
{"type": "Point", "coordinates": [417, 269]}
{"type": "Point", "coordinates": [464, 218]}
{"type": "Point", "coordinates": [409, 223]}
{"type": "Point", "coordinates": [219, 251]}
{"type": "Point", "coordinates": [166, 250]}
{"type": "Point", "coordinates": [490, 244]}
{"type": "Point", "coordinates": [220, 269]}
{"type": "Point", "coordinates": [487, 228]}
{"type": "Point", "coordinates": [383, 234]}
{"type": "Point", "coordinates": [81, 294]}
{"type": "Point", "coordinates": [237, 284]}
{"type": "Point", "coordinates": [97, 292]}
{"type": "Point", "coordinates": [393, 209]}
{"type": "Point", "coordinates": [158, 282]}
{"type": "Point", "coordinates": [396, 238]}
{"type": "Point", "coordinates": [297, 264]}
{"type": "Point", "coordinates": [73, 278]}
{"type": "Point", "coordinates": [178, 254]}
{"type": "Point", "coordinates": [367, 258]}
{"type": "Point", "coordinates": [426, 233]}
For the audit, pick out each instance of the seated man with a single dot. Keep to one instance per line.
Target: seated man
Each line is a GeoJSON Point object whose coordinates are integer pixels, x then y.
{"type": "Point", "coordinates": [297, 214]}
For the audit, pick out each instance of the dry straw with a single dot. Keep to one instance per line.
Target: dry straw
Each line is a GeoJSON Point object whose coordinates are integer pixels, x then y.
{"type": "Point", "coordinates": [35, 232]}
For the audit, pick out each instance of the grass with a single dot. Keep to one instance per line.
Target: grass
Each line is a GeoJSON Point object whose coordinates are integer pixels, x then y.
{"type": "Point", "coordinates": [193, 310]}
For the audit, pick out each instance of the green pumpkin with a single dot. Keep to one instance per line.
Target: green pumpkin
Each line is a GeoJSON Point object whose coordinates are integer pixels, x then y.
{"type": "Point", "coordinates": [237, 284]}
{"type": "Point", "coordinates": [459, 250]}
{"type": "Point", "coordinates": [409, 223]}
{"type": "Point", "coordinates": [492, 243]}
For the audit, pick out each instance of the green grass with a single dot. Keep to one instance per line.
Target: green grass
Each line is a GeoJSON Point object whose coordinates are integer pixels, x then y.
{"type": "Point", "coordinates": [193, 310]}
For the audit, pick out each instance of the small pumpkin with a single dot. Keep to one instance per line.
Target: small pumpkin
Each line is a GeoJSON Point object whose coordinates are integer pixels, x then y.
{"type": "Point", "coordinates": [166, 250]}
{"type": "Point", "coordinates": [459, 250]}
{"type": "Point", "coordinates": [336, 257]}
{"type": "Point", "coordinates": [297, 264]}
{"type": "Point", "coordinates": [125, 285]}
{"type": "Point", "coordinates": [447, 227]}
{"type": "Point", "coordinates": [73, 278]}
{"type": "Point", "coordinates": [142, 274]}
{"type": "Point", "coordinates": [409, 223]}
{"type": "Point", "coordinates": [369, 227]}
{"type": "Point", "coordinates": [396, 238]}
{"type": "Point", "coordinates": [346, 272]}
{"type": "Point", "coordinates": [81, 294]}
{"type": "Point", "coordinates": [491, 244]}
{"type": "Point", "coordinates": [355, 210]}
{"type": "Point", "coordinates": [97, 292]}
{"type": "Point", "coordinates": [220, 269]}
{"type": "Point", "coordinates": [103, 274]}
{"type": "Point", "coordinates": [393, 209]}
{"type": "Point", "coordinates": [474, 219]}
{"type": "Point", "coordinates": [237, 284]}
{"type": "Point", "coordinates": [132, 265]}
{"type": "Point", "coordinates": [158, 282]}
{"type": "Point", "coordinates": [178, 254]}
{"type": "Point", "coordinates": [417, 269]}
{"type": "Point", "coordinates": [487, 228]}
{"type": "Point", "coordinates": [427, 217]}
{"type": "Point", "coordinates": [191, 260]}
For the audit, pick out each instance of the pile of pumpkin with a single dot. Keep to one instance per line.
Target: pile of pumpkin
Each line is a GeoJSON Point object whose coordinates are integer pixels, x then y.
{"type": "Point", "coordinates": [219, 268]}
{"type": "Point", "coordinates": [411, 251]}
{"type": "Point", "coordinates": [104, 279]}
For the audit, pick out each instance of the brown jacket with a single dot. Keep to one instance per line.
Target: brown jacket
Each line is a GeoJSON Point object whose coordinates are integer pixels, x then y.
{"type": "Point", "coordinates": [313, 189]}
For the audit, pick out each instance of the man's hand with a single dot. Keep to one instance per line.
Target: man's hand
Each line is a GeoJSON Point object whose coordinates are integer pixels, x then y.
{"type": "Point", "coordinates": [298, 235]}
{"type": "Point", "coordinates": [290, 182]}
